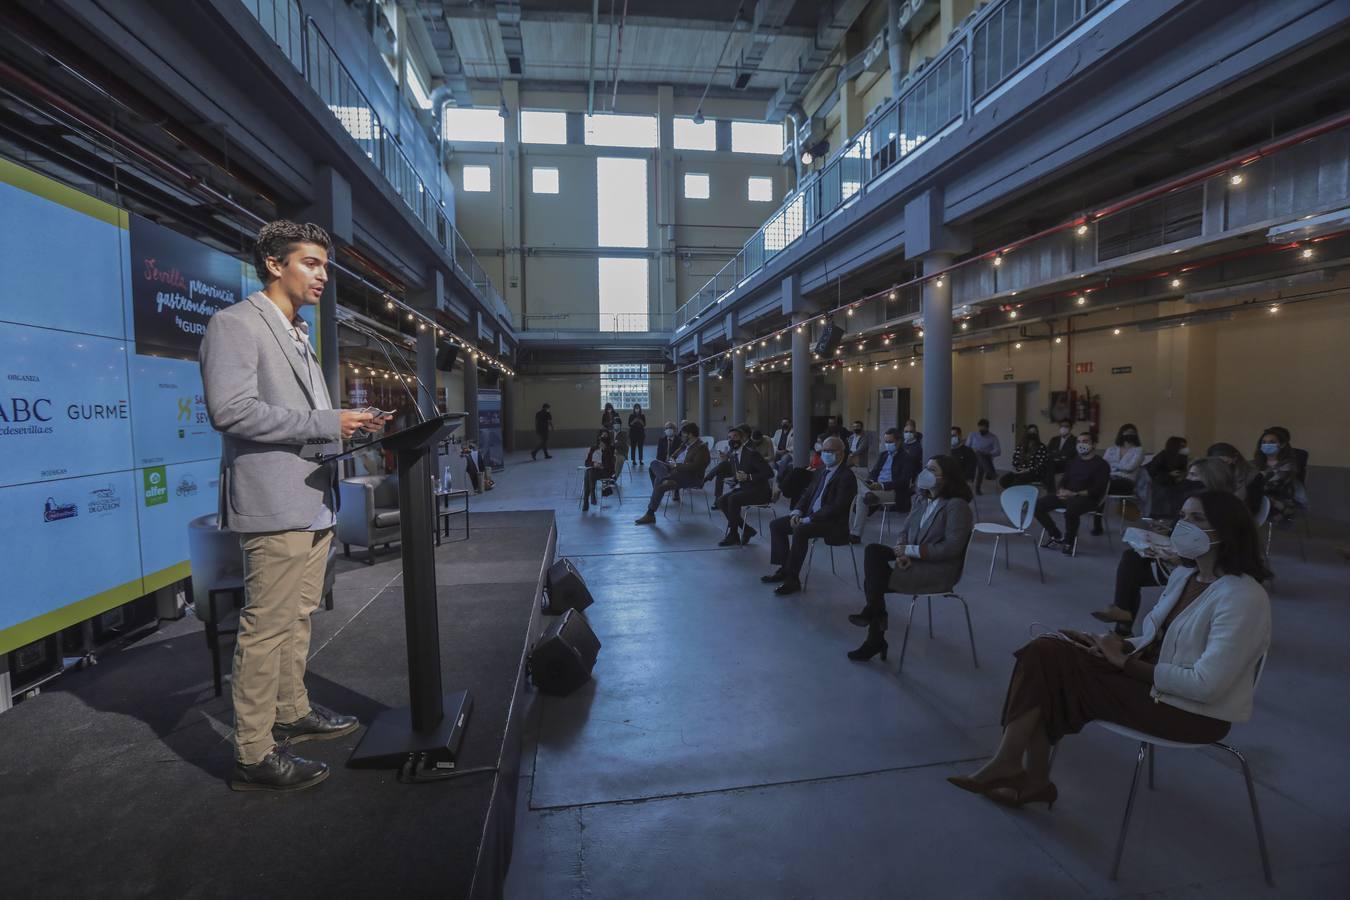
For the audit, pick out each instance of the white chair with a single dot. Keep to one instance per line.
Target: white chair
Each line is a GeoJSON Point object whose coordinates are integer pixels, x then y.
{"type": "Point", "coordinates": [1119, 500]}
{"type": "Point", "coordinates": [811, 549]}
{"type": "Point", "coordinates": [1146, 744]}
{"type": "Point", "coordinates": [949, 594]}
{"type": "Point", "coordinates": [613, 482]}
{"type": "Point", "coordinates": [1019, 505]}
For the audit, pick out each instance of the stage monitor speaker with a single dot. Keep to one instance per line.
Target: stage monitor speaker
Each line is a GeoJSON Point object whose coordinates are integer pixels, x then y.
{"type": "Point", "coordinates": [830, 337]}
{"type": "Point", "coordinates": [565, 589]}
{"type": "Point", "coordinates": [562, 659]}
{"type": "Point", "coordinates": [445, 357]}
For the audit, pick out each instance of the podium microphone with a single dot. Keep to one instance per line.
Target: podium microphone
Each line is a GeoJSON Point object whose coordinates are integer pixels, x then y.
{"type": "Point", "coordinates": [351, 322]}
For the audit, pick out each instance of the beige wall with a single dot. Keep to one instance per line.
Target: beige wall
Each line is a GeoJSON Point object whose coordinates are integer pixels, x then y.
{"type": "Point", "coordinates": [1221, 381]}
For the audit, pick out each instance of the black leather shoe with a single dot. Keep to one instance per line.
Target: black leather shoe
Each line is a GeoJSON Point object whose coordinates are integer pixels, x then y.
{"type": "Point", "coordinates": [747, 534]}
{"type": "Point", "coordinates": [278, 771]}
{"type": "Point", "coordinates": [855, 539]}
{"type": "Point", "coordinates": [730, 539]}
{"type": "Point", "coordinates": [320, 725]}
{"type": "Point", "coordinates": [789, 586]}
{"type": "Point", "coordinates": [864, 619]}
{"type": "Point", "coordinates": [774, 578]}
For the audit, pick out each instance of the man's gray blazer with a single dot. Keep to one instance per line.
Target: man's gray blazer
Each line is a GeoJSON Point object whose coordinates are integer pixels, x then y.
{"type": "Point", "coordinates": [258, 397]}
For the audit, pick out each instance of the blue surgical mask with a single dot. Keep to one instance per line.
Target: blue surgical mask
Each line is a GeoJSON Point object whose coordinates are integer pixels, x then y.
{"type": "Point", "coordinates": [829, 458]}
{"type": "Point", "coordinates": [890, 446]}
{"type": "Point", "coordinates": [1270, 449]}
{"type": "Point", "coordinates": [909, 437]}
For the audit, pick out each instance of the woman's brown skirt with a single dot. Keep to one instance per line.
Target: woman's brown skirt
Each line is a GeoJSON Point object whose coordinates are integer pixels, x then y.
{"type": "Point", "coordinates": [1071, 687]}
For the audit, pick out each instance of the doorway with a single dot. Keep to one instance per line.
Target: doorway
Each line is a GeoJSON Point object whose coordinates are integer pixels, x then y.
{"type": "Point", "coordinates": [892, 409]}
{"type": "Point", "coordinates": [1010, 407]}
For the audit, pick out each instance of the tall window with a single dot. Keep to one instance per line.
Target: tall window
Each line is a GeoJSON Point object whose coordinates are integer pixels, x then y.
{"type": "Point", "coordinates": [757, 137]}
{"type": "Point", "coordinates": [538, 127]}
{"type": "Point", "coordinates": [417, 86]}
{"type": "Point", "coordinates": [623, 294]}
{"type": "Point", "coordinates": [621, 201]}
{"type": "Point", "coordinates": [689, 136]}
{"type": "Point", "coordinates": [473, 125]}
{"type": "Point", "coordinates": [609, 130]}
{"type": "Point", "coordinates": [624, 385]}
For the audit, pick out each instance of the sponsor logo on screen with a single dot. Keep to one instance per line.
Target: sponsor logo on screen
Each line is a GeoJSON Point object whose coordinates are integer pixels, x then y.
{"type": "Point", "coordinates": [54, 511]}
{"type": "Point", "coordinates": [33, 415]}
{"type": "Point", "coordinates": [103, 500]}
{"type": "Point", "coordinates": [187, 486]}
{"type": "Point", "coordinates": [156, 486]}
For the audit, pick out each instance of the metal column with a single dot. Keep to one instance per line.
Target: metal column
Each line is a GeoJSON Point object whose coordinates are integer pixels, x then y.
{"type": "Point", "coordinates": [704, 399]}
{"type": "Point", "coordinates": [937, 358]}
{"type": "Point", "coordinates": [801, 392]}
{"type": "Point", "coordinates": [738, 413]}
{"type": "Point", "coordinates": [471, 396]}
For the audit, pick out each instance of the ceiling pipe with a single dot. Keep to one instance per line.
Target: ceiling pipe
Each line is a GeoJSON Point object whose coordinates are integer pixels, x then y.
{"type": "Point", "coordinates": [590, 66]}
{"type": "Point", "coordinates": [618, 58]}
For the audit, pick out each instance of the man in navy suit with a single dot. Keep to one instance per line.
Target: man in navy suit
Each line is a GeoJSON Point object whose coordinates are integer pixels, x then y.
{"type": "Point", "coordinates": [821, 511]}
{"type": "Point", "coordinates": [751, 487]}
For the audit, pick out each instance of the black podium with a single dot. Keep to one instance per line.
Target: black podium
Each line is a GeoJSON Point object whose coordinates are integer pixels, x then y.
{"type": "Point", "coordinates": [423, 737]}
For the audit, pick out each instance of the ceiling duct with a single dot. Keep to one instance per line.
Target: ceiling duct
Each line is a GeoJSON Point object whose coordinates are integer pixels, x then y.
{"type": "Point", "coordinates": [835, 20]}
{"type": "Point", "coordinates": [508, 25]}
{"type": "Point", "coordinates": [1236, 293]}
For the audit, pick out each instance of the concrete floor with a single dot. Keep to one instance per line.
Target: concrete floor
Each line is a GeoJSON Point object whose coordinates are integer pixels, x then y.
{"type": "Point", "coordinates": [727, 747]}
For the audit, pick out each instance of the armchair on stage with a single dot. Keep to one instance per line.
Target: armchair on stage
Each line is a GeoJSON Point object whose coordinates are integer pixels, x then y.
{"type": "Point", "coordinates": [368, 515]}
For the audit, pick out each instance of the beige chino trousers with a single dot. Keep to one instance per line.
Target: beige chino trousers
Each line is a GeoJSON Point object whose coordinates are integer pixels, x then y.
{"type": "Point", "coordinates": [283, 585]}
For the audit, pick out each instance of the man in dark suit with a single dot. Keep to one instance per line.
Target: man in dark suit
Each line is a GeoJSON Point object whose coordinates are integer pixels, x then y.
{"type": "Point", "coordinates": [820, 511]}
{"type": "Point", "coordinates": [685, 469]}
{"type": "Point", "coordinates": [666, 445]}
{"type": "Point", "coordinates": [1062, 448]}
{"type": "Point", "coordinates": [751, 487]}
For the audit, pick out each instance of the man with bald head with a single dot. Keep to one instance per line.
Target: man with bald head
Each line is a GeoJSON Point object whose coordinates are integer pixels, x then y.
{"type": "Point", "coordinates": [821, 511]}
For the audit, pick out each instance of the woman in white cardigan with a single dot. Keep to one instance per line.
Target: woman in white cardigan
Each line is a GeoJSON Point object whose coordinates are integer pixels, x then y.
{"type": "Point", "coordinates": [1188, 677]}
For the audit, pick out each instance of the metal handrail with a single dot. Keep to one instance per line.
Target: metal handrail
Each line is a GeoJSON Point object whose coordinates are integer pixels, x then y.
{"type": "Point", "coordinates": [314, 57]}
{"type": "Point", "coordinates": [940, 94]}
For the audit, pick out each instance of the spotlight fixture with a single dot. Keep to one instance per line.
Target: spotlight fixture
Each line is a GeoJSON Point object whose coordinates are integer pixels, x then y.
{"type": "Point", "coordinates": [799, 329]}
{"type": "Point", "coordinates": [779, 336]}
{"type": "Point", "coordinates": [421, 326]}
{"type": "Point", "coordinates": [764, 343]}
{"type": "Point", "coordinates": [938, 283]}
{"type": "Point", "coordinates": [849, 369]}
{"type": "Point", "coordinates": [410, 317]}
{"type": "Point", "coordinates": [1081, 230]}
{"type": "Point", "coordinates": [503, 111]}
{"type": "Point", "coordinates": [698, 116]}
{"type": "Point", "coordinates": [861, 345]}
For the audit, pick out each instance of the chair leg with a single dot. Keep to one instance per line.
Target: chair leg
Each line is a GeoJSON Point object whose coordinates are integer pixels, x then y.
{"type": "Point", "coordinates": [806, 568]}
{"type": "Point", "coordinates": [857, 581]}
{"type": "Point", "coordinates": [1036, 545]}
{"type": "Point", "coordinates": [328, 601]}
{"type": "Point", "coordinates": [1150, 767]}
{"type": "Point", "coordinates": [930, 617]}
{"type": "Point", "coordinates": [347, 550]}
{"type": "Point", "coordinates": [1256, 812]}
{"type": "Point", "coordinates": [832, 571]}
{"type": "Point", "coordinates": [993, 560]}
{"type": "Point", "coordinates": [970, 631]}
{"type": "Point", "coordinates": [904, 643]}
{"type": "Point", "coordinates": [1007, 555]}
{"type": "Point", "coordinates": [1129, 808]}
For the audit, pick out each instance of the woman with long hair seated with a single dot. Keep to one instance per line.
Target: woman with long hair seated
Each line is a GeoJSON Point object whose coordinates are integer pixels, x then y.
{"type": "Point", "coordinates": [928, 554]}
{"type": "Point", "coordinates": [1187, 678]}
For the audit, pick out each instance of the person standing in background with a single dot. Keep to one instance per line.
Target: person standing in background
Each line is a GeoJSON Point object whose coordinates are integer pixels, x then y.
{"type": "Point", "coordinates": [543, 424]}
{"type": "Point", "coordinates": [985, 444]}
{"type": "Point", "coordinates": [963, 455]}
{"type": "Point", "coordinates": [637, 433]}
{"type": "Point", "coordinates": [609, 417]}
{"type": "Point", "coordinates": [266, 395]}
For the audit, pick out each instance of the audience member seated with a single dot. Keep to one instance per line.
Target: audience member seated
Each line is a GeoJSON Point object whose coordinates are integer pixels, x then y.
{"type": "Point", "coordinates": [1188, 678]}
{"type": "Point", "coordinates": [1060, 449]}
{"type": "Point", "coordinates": [723, 467]}
{"type": "Point", "coordinates": [963, 455]}
{"type": "Point", "coordinates": [782, 448]}
{"type": "Point", "coordinates": [1250, 483]}
{"type": "Point", "coordinates": [833, 428]}
{"type": "Point", "coordinates": [857, 445]}
{"type": "Point", "coordinates": [878, 483]}
{"type": "Point", "coordinates": [1150, 564]}
{"type": "Point", "coordinates": [816, 448]}
{"type": "Point", "coordinates": [666, 445]}
{"type": "Point", "coordinates": [750, 485]}
{"type": "Point", "coordinates": [1274, 459]}
{"type": "Point", "coordinates": [984, 443]}
{"type": "Point", "coordinates": [1030, 461]}
{"type": "Point", "coordinates": [1165, 472]}
{"type": "Point", "coordinates": [1081, 489]}
{"type": "Point", "coordinates": [599, 464]}
{"type": "Point", "coordinates": [1125, 456]}
{"type": "Point", "coordinates": [760, 443]}
{"type": "Point", "coordinates": [928, 554]}
{"type": "Point", "coordinates": [684, 469]}
{"type": "Point", "coordinates": [820, 512]}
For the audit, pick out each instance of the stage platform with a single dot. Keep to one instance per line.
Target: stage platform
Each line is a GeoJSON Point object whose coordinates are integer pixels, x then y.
{"type": "Point", "coordinates": [113, 781]}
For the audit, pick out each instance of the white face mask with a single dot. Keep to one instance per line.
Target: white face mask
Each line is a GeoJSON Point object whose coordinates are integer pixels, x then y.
{"type": "Point", "coordinates": [909, 437]}
{"type": "Point", "coordinates": [817, 447]}
{"type": "Point", "coordinates": [926, 481]}
{"type": "Point", "coordinates": [1084, 449]}
{"type": "Point", "coordinates": [1190, 541]}
{"type": "Point", "coordinates": [1185, 451]}
{"type": "Point", "coordinates": [956, 441]}
{"type": "Point", "coordinates": [1064, 432]}
{"type": "Point", "coordinates": [670, 432]}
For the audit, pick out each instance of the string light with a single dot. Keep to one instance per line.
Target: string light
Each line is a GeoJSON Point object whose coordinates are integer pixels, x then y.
{"type": "Point", "coordinates": [1115, 331]}
{"type": "Point", "coordinates": [1081, 301]}
{"type": "Point", "coordinates": [1058, 339]}
{"type": "Point", "coordinates": [920, 332]}
{"type": "Point", "coordinates": [1274, 308]}
{"type": "Point", "coordinates": [1235, 180]}
{"type": "Point", "coordinates": [998, 259]}
{"type": "Point", "coordinates": [965, 325]}
{"type": "Point", "coordinates": [891, 295]}
{"type": "Point", "coordinates": [938, 283]}
{"type": "Point", "coordinates": [1017, 346]}
{"type": "Point", "coordinates": [911, 363]}
{"type": "Point", "coordinates": [1176, 282]}
{"type": "Point", "coordinates": [1307, 252]}
{"type": "Point", "coordinates": [1081, 230]}
{"type": "Point", "coordinates": [886, 341]}
{"type": "Point", "coordinates": [850, 310]}
{"type": "Point", "coordinates": [1012, 313]}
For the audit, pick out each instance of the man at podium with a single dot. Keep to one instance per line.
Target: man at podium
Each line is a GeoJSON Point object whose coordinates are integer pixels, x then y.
{"type": "Point", "coordinates": [265, 394]}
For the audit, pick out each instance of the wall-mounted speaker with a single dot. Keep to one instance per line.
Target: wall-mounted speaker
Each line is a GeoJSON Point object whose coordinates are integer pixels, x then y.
{"type": "Point", "coordinates": [445, 356]}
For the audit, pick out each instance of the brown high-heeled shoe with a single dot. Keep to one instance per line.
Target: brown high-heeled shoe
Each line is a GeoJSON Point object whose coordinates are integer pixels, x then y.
{"type": "Point", "coordinates": [1016, 798]}
{"type": "Point", "coordinates": [967, 783]}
